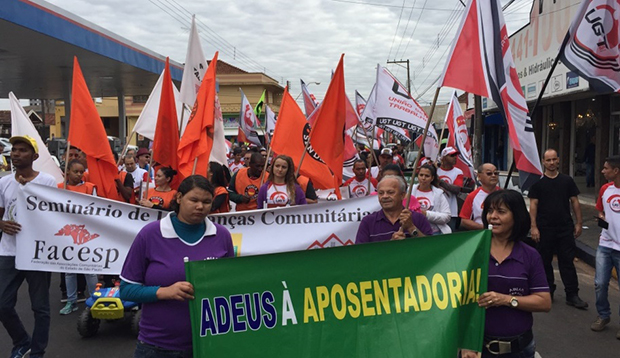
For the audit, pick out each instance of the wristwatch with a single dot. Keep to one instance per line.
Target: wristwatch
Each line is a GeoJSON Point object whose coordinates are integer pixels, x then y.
{"type": "Point", "coordinates": [514, 302]}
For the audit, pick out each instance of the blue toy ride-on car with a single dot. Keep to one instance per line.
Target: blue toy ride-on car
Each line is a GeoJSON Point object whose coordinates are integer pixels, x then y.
{"type": "Point", "coordinates": [105, 304]}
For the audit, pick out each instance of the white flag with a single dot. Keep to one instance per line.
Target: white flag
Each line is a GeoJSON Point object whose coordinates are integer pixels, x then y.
{"type": "Point", "coordinates": [147, 121]}
{"type": "Point", "coordinates": [591, 45]}
{"type": "Point", "coordinates": [219, 150]}
{"type": "Point", "coordinates": [195, 68]}
{"type": "Point", "coordinates": [248, 120]}
{"type": "Point", "coordinates": [270, 121]}
{"type": "Point", "coordinates": [21, 125]}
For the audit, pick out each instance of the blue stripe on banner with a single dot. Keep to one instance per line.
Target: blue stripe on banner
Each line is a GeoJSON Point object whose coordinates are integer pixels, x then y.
{"type": "Point", "coordinates": [43, 20]}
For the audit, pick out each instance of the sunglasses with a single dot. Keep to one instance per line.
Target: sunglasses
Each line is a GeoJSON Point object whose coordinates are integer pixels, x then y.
{"type": "Point", "coordinates": [495, 173]}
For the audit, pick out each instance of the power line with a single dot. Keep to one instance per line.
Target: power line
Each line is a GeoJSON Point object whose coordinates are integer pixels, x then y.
{"type": "Point", "coordinates": [396, 32]}
{"type": "Point", "coordinates": [176, 11]}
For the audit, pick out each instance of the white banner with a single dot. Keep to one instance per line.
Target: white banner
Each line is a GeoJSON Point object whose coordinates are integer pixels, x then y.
{"type": "Point", "coordinates": [64, 231]}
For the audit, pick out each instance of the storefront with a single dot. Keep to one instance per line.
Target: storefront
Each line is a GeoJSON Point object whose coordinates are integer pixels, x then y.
{"type": "Point", "coordinates": [581, 125]}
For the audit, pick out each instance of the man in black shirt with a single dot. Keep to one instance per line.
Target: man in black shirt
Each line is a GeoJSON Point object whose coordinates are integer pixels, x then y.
{"type": "Point", "coordinates": [552, 225]}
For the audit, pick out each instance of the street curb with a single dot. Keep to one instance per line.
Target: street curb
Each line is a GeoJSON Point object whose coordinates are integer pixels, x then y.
{"type": "Point", "coordinates": [585, 253]}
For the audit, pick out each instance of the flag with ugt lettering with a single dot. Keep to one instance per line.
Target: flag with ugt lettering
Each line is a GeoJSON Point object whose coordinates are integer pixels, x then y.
{"type": "Point", "coordinates": [481, 63]}
{"type": "Point", "coordinates": [591, 45]}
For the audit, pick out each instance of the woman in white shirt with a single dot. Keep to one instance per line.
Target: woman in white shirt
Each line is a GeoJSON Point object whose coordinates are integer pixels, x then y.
{"type": "Point", "coordinates": [433, 201]}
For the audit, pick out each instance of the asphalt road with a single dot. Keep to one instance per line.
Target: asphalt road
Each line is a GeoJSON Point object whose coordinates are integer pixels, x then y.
{"type": "Point", "coordinates": [562, 333]}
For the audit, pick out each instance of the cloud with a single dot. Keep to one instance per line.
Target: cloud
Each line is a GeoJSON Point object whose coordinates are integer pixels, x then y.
{"type": "Point", "coordinates": [296, 39]}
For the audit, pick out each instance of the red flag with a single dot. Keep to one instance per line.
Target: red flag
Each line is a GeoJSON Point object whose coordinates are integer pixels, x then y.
{"type": "Point", "coordinates": [241, 138]}
{"type": "Point", "coordinates": [197, 141]}
{"type": "Point", "coordinates": [166, 139]}
{"type": "Point", "coordinates": [86, 132]}
{"type": "Point", "coordinates": [459, 137]}
{"type": "Point", "coordinates": [327, 136]}
{"type": "Point", "coordinates": [290, 137]}
{"type": "Point", "coordinates": [490, 72]}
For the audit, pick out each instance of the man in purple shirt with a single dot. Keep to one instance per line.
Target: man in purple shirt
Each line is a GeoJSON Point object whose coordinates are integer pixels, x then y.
{"type": "Point", "coordinates": [393, 221]}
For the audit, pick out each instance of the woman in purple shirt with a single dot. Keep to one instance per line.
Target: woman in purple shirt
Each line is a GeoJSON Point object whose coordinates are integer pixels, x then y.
{"type": "Point", "coordinates": [517, 283]}
{"type": "Point", "coordinates": [154, 273]}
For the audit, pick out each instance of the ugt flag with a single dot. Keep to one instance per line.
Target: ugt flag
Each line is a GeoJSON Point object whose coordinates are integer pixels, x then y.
{"type": "Point", "coordinates": [489, 71]}
{"type": "Point", "coordinates": [248, 120]}
{"type": "Point", "coordinates": [591, 45]}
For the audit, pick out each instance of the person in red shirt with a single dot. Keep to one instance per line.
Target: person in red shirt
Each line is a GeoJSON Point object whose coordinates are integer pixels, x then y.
{"type": "Point", "coordinates": [471, 212]}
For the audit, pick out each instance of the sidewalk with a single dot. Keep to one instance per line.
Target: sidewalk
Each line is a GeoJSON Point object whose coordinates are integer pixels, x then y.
{"type": "Point", "coordinates": [588, 241]}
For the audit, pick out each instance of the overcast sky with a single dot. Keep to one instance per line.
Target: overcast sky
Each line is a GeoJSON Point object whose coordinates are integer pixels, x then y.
{"type": "Point", "coordinates": [297, 39]}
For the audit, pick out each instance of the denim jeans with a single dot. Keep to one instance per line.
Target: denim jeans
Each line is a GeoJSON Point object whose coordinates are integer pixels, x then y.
{"type": "Point", "coordinates": [71, 281]}
{"type": "Point", "coordinates": [528, 352]}
{"type": "Point", "coordinates": [39, 290]}
{"type": "Point", "coordinates": [606, 259]}
{"type": "Point", "coordinates": [145, 350]}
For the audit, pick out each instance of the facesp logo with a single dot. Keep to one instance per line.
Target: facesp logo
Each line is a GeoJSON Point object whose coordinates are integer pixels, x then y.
{"type": "Point", "coordinates": [614, 203]}
{"type": "Point", "coordinates": [331, 241]}
{"type": "Point", "coordinates": [79, 233]}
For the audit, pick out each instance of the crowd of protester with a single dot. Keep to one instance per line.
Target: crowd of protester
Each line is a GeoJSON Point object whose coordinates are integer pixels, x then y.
{"type": "Point", "coordinates": [444, 200]}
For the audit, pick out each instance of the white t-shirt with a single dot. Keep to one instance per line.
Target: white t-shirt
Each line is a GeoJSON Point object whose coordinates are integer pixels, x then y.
{"type": "Point", "coordinates": [234, 167]}
{"type": "Point", "coordinates": [9, 195]}
{"type": "Point", "coordinates": [453, 176]}
{"type": "Point", "coordinates": [138, 176]}
{"type": "Point", "coordinates": [277, 196]}
{"type": "Point", "coordinates": [609, 203]}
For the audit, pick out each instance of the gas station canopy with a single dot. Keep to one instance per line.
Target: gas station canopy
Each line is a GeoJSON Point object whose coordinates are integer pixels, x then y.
{"type": "Point", "coordinates": [37, 44]}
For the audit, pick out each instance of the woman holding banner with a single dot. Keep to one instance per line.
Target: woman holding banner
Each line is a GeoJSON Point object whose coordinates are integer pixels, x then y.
{"type": "Point", "coordinates": [281, 189]}
{"type": "Point", "coordinates": [162, 195]}
{"type": "Point", "coordinates": [433, 202]}
{"type": "Point", "coordinates": [154, 273]}
{"type": "Point", "coordinates": [517, 284]}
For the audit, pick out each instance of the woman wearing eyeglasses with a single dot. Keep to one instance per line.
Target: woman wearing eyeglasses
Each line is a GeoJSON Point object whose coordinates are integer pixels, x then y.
{"type": "Point", "coordinates": [471, 212]}
{"type": "Point", "coordinates": [517, 285]}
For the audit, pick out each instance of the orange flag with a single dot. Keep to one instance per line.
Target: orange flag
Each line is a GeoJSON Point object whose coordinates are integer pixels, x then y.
{"type": "Point", "coordinates": [327, 136]}
{"type": "Point", "coordinates": [166, 139]}
{"type": "Point", "coordinates": [197, 141]}
{"type": "Point", "coordinates": [86, 132]}
{"type": "Point", "coordinates": [290, 137]}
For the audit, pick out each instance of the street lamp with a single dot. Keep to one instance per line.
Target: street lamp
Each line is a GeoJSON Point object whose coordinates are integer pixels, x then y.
{"type": "Point", "coordinates": [309, 83]}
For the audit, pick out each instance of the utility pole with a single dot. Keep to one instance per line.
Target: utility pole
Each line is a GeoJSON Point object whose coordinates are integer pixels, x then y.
{"type": "Point", "coordinates": [408, 75]}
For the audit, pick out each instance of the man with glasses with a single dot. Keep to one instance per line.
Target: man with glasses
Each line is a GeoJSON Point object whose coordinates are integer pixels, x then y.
{"type": "Point", "coordinates": [552, 225]}
{"type": "Point", "coordinates": [471, 212]}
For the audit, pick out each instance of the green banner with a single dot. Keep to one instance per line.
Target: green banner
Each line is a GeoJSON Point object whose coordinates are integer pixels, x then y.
{"type": "Point", "coordinates": [410, 298]}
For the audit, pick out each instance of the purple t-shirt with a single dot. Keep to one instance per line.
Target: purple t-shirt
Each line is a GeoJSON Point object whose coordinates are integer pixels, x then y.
{"type": "Point", "coordinates": [520, 274]}
{"type": "Point", "coordinates": [156, 259]}
{"type": "Point", "coordinates": [376, 227]}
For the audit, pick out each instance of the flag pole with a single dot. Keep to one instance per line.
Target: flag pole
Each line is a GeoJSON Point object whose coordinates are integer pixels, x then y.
{"type": "Point", "coordinates": [129, 138]}
{"type": "Point", "coordinates": [66, 164]}
{"type": "Point", "coordinates": [417, 159]}
{"type": "Point", "coordinates": [540, 95]}
{"type": "Point", "coordinates": [195, 164]}
{"type": "Point", "coordinates": [262, 176]}
{"type": "Point", "coordinates": [182, 117]}
{"type": "Point", "coordinates": [443, 128]}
